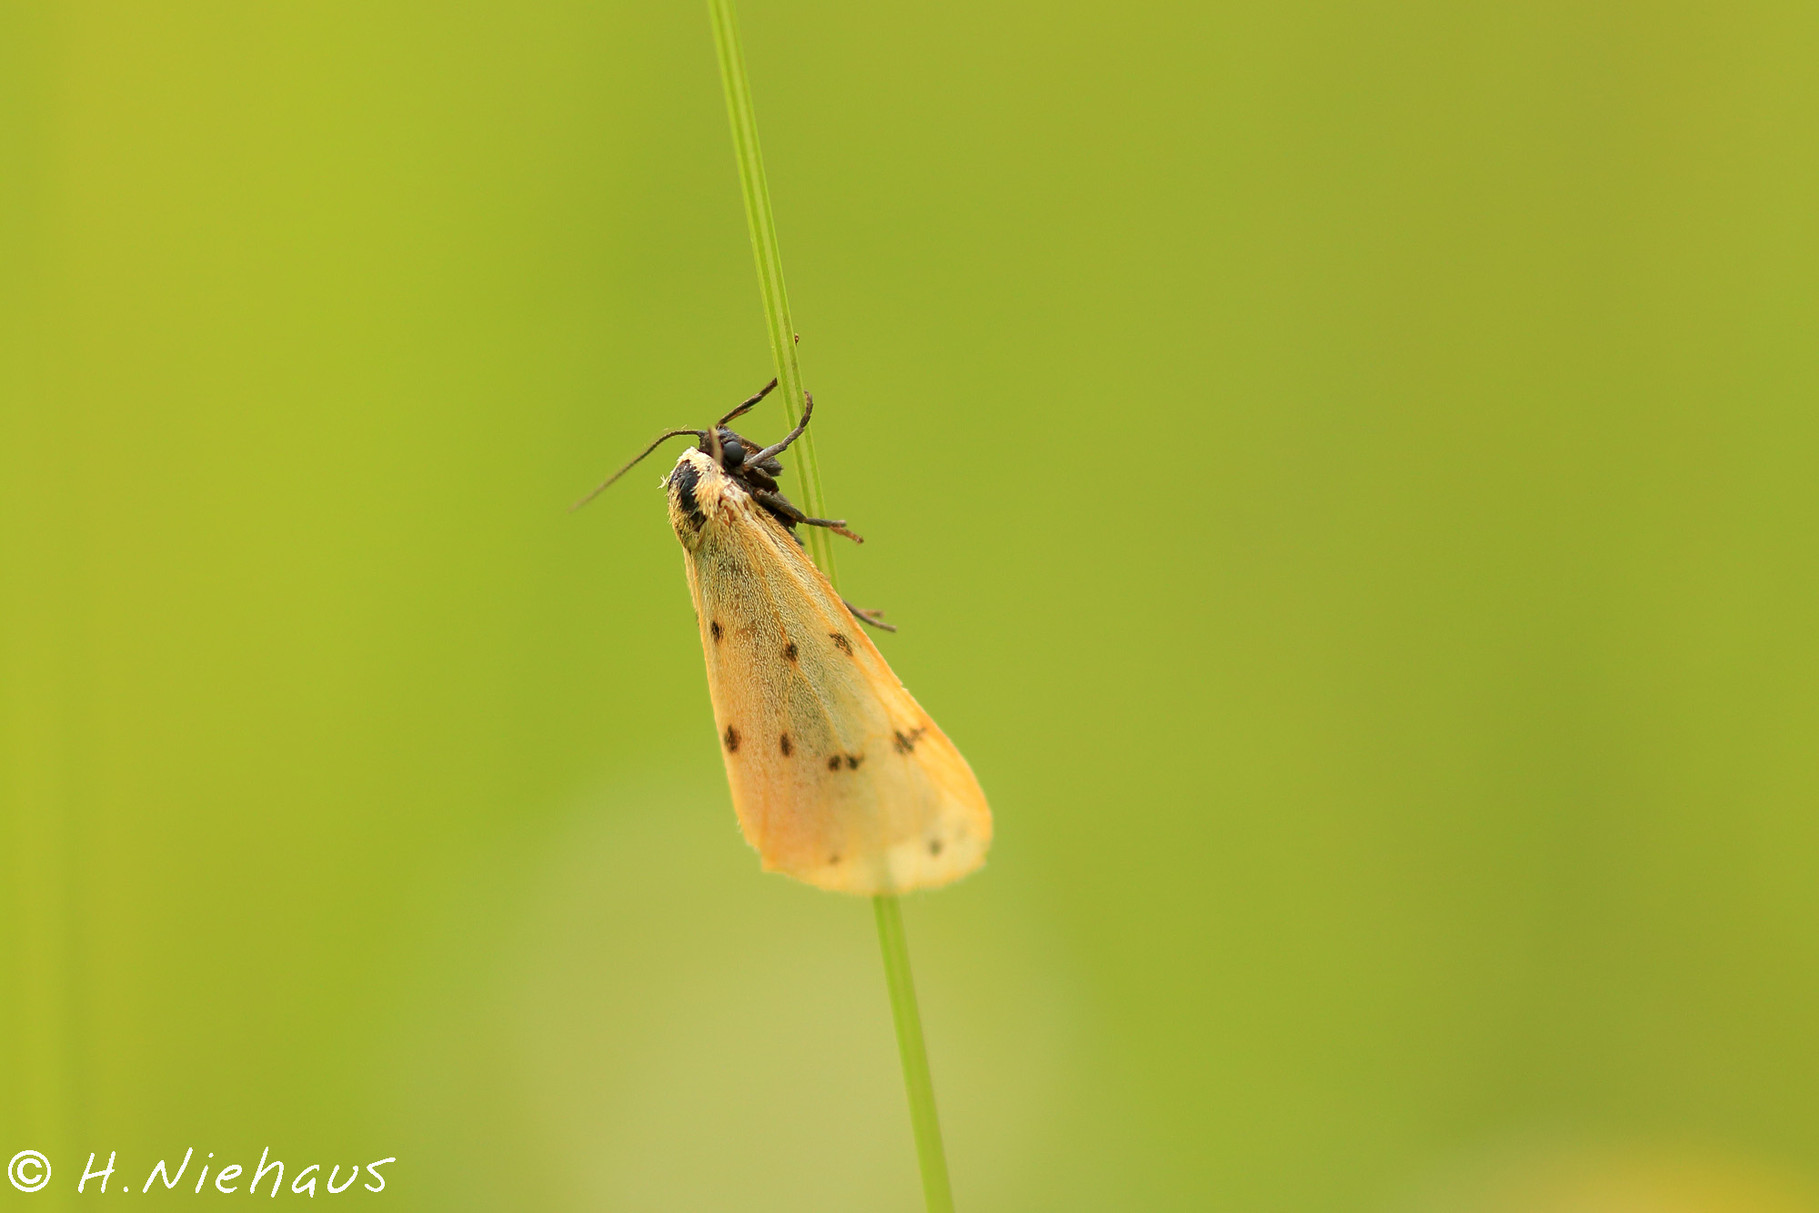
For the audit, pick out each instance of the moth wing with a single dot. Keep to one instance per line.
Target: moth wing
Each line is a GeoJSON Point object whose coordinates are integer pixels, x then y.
{"type": "Point", "coordinates": [838, 776]}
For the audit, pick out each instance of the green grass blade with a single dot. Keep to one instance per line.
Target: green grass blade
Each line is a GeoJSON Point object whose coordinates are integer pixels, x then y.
{"type": "Point", "coordinates": [895, 947]}
{"type": "Point", "coordinates": [921, 1088]}
{"type": "Point", "coordinates": [770, 267]}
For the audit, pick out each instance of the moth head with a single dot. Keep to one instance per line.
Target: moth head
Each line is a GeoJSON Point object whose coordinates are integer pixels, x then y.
{"type": "Point", "coordinates": [723, 450]}
{"type": "Point", "coordinates": [734, 453]}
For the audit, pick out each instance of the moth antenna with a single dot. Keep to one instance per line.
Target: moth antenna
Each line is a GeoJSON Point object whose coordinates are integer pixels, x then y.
{"type": "Point", "coordinates": [746, 405]}
{"type": "Point", "coordinates": [607, 483]}
{"type": "Point", "coordinates": [769, 452]}
{"type": "Point", "coordinates": [870, 618]}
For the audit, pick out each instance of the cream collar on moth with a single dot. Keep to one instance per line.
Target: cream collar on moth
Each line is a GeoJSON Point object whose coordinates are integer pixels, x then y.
{"type": "Point", "coordinates": [699, 488]}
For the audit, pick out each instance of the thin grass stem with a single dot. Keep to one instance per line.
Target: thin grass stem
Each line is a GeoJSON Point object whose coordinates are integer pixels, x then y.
{"type": "Point", "coordinates": [770, 265]}
{"type": "Point", "coordinates": [904, 1014]}
{"type": "Point", "coordinates": [916, 1081]}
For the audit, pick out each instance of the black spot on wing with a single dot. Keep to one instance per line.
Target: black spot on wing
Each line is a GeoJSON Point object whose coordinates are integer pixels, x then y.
{"type": "Point", "coordinates": [905, 742]}
{"type": "Point", "coordinates": [833, 763]}
{"type": "Point", "coordinates": [853, 761]}
{"type": "Point", "coordinates": [789, 650]}
{"type": "Point", "coordinates": [783, 743]}
{"type": "Point", "coordinates": [934, 846]}
{"type": "Point", "coordinates": [731, 739]}
{"type": "Point", "coordinates": [714, 627]}
{"type": "Point", "coordinates": [842, 643]}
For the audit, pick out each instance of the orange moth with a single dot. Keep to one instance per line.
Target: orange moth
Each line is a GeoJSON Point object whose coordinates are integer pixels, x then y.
{"type": "Point", "coordinates": [839, 778]}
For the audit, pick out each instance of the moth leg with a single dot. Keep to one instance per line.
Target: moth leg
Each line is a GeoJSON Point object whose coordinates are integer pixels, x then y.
{"type": "Point", "coordinates": [746, 405]}
{"type": "Point", "coordinates": [873, 619]}
{"type": "Point", "coordinates": [777, 503]}
{"type": "Point", "coordinates": [837, 527]}
{"type": "Point", "coordinates": [769, 452]}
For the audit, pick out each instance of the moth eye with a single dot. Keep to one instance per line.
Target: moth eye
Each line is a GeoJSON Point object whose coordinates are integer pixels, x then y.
{"type": "Point", "coordinates": [732, 451]}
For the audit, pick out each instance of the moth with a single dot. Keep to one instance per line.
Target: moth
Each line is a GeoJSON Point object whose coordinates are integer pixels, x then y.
{"type": "Point", "coordinates": [838, 776]}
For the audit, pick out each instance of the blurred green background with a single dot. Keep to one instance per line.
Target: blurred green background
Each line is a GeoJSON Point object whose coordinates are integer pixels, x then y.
{"type": "Point", "coordinates": [1345, 474]}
